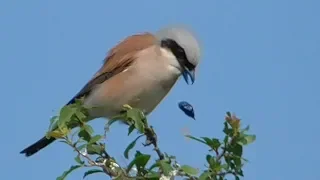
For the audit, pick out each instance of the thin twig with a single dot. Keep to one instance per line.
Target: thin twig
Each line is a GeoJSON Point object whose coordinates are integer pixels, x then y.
{"type": "Point", "coordinates": [152, 139]}
{"type": "Point", "coordinates": [91, 162]}
{"type": "Point", "coordinates": [220, 155]}
{"type": "Point", "coordinates": [223, 174]}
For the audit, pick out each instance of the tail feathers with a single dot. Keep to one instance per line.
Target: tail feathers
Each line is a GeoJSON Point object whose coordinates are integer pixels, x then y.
{"type": "Point", "coordinates": [37, 146]}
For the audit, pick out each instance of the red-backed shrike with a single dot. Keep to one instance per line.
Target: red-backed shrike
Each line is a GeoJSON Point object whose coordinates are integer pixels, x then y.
{"type": "Point", "coordinates": [139, 71]}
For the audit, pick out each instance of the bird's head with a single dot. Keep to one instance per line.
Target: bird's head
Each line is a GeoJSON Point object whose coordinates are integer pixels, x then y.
{"type": "Point", "coordinates": [184, 46]}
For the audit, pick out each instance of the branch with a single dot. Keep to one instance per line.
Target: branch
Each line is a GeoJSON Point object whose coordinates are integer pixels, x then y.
{"type": "Point", "coordinates": [152, 139]}
{"type": "Point", "coordinates": [108, 164]}
{"type": "Point", "coordinates": [226, 161]}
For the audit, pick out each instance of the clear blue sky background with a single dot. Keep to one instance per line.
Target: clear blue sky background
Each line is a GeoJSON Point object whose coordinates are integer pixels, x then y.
{"type": "Point", "coordinates": [260, 60]}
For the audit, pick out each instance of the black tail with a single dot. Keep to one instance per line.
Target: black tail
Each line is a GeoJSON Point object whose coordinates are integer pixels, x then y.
{"type": "Point", "coordinates": [34, 148]}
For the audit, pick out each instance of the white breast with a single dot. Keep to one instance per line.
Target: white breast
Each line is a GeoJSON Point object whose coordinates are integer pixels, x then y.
{"type": "Point", "coordinates": [143, 85]}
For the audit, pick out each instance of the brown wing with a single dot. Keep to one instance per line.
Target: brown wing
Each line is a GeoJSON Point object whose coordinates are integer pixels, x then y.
{"type": "Point", "coordinates": [122, 55]}
{"type": "Point", "coordinates": [117, 60]}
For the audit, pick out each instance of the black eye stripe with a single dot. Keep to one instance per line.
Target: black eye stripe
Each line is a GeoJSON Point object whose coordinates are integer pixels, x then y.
{"type": "Point", "coordinates": [178, 51]}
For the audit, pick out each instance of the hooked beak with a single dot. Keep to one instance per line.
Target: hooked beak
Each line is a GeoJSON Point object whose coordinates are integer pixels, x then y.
{"type": "Point", "coordinates": [187, 73]}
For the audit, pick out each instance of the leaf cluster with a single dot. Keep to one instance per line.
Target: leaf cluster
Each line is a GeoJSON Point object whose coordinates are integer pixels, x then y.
{"type": "Point", "coordinates": [224, 155]}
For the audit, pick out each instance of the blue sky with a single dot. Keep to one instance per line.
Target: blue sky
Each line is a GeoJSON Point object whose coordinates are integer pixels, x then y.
{"type": "Point", "coordinates": [260, 60]}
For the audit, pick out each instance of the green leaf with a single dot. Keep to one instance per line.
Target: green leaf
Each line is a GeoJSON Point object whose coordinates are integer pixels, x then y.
{"type": "Point", "coordinates": [212, 143]}
{"type": "Point", "coordinates": [225, 166]}
{"type": "Point", "coordinates": [131, 128]}
{"type": "Point", "coordinates": [153, 175]}
{"type": "Point", "coordinates": [139, 126]}
{"type": "Point", "coordinates": [208, 158]}
{"type": "Point", "coordinates": [138, 153]}
{"type": "Point", "coordinates": [165, 167]}
{"type": "Point", "coordinates": [56, 134]}
{"type": "Point", "coordinates": [212, 162]}
{"type": "Point", "coordinates": [95, 138]}
{"type": "Point", "coordinates": [66, 114]}
{"type": "Point", "coordinates": [207, 140]}
{"type": "Point", "coordinates": [232, 165]}
{"type": "Point", "coordinates": [78, 159]}
{"type": "Point", "coordinates": [189, 170]}
{"type": "Point", "coordinates": [94, 149]}
{"type": "Point", "coordinates": [81, 116]}
{"type": "Point", "coordinates": [226, 139]}
{"type": "Point", "coordinates": [130, 146]}
{"type": "Point", "coordinates": [92, 171]}
{"type": "Point", "coordinates": [88, 128]}
{"type": "Point", "coordinates": [250, 139]}
{"type": "Point", "coordinates": [197, 139]}
{"type": "Point", "coordinates": [153, 166]}
{"type": "Point", "coordinates": [237, 150]}
{"type": "Point", "coordinates": [110, 122]}
{"type": "Point", "coordinates": [65, 142]}
{"type": "Point", "coordinates": [131, 164]}
{"type": "Point", "coordinates": [215, 143]}
{"type": "Point", "coordinates": [239, 172]}
{"type": "Point", "coordinates": [237, 162]}
{"type": "Point", "coordinates": [136, 116]}
{"type": "Point", "coordinates": [245, 129]}
{"type": "Point", "coordinates": [205, 175]}
{"type": "Point", "coordinates": [84, 134]}
{"type": "Point", "coordinates": [81, 147]}
{"type": "Point", "coordinates": [228, 131]}
{"type": "Point", "coordinates": [140, 161]}
{"type": "Point", "coordinates": [67, 172]}
{"type": "Point", "coordinates": [53, 121]}
{"type": "Point", "coordinates": [227, 158]}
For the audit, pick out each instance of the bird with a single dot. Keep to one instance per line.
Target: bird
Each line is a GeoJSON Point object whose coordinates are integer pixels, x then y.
{"type": "Point", "coordinates": [138, 71]}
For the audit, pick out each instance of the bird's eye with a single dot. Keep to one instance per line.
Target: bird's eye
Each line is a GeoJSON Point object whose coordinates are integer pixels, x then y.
{"type": "Point", "coordinates": [180, 50]}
